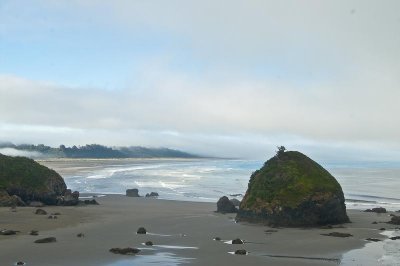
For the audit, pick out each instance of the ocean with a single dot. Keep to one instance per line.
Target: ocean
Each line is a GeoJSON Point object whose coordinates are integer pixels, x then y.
{"type": "Point", "coordinates": [364, 185]}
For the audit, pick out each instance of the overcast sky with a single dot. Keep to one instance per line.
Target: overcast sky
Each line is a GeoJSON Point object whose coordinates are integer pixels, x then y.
{"type": "Point", "coordinates": [226, 78]}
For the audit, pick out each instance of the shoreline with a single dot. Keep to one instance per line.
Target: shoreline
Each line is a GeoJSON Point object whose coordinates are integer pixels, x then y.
{"type": "Point", "coordinates": [183, 228]}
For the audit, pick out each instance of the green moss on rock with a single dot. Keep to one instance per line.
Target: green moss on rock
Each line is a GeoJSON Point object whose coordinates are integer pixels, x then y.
{"type": "Point", "coordinates": [30, 180]}
{"type": "Point", "coordinates": [293, 190]}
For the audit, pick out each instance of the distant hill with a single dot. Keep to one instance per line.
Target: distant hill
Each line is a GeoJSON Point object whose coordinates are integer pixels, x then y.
{"type": "Point", "coordinates": [96, 151]}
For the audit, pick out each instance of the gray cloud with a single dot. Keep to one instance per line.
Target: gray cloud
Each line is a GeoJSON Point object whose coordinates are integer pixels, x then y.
{"type": "Point", "coordinates": [287, 72]}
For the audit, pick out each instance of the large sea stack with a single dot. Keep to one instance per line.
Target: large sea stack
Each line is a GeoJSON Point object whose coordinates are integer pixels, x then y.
{"type": "Point", "coordinates": [293, 190]}
{"type": "Point", "coordinates": [30, 181]}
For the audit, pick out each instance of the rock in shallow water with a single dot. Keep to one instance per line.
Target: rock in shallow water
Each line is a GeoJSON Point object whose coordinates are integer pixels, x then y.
{"type": "Point", "coordinates": [293, 190]}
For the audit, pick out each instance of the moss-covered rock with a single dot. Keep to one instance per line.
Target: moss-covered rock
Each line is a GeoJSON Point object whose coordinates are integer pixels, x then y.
{"type": "Point", "coordinates": [30, 180]}
{"type": "Point", "coordinates": [293, 190]}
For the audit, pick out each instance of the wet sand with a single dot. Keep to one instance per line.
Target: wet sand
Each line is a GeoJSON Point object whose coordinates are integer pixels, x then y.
{"type": "Point", "coordinates": [182, 233]}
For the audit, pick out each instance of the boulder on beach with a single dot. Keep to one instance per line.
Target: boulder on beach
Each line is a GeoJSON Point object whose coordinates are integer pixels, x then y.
{"type": "Point", "coordinates": [293, 190]}
{"type": "Point", "coordinates": [235, 202]}
{"type": "Point", "coordinates": [133, 192]}
{"type": "Point", "coordinates": [224, 205]}
{"type": "Point", "coordinates": [395, 220]}
{"type": "Point", "coordinates": [69, 198]}
{"type": "Point", "coordinates": [40, 212]}
{"type": "Point", "coordinates": [237, 241]}
{"type": "Point", "coordinates": [30, 180]}
{"type": "Point", "coordinates": [241, 252]}
{"type": "Point", "coordinates": [141, 231]}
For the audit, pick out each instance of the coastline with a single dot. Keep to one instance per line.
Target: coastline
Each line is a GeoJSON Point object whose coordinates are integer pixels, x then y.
{"type": "Point", "coordinates": [181, 230]}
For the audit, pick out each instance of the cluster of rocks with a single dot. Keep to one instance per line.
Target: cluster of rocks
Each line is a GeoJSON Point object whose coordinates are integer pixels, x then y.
{"type": "Point", "coordinates": [134, 192]}
{"type": "Point", "coordinates": [226, 205]}
{"type": "Point", "coordinates": [376, 210]}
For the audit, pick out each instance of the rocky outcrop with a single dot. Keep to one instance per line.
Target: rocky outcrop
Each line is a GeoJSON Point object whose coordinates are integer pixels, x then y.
{"type": "Point", "coordinates": [134, 192]}
{"type": "Point", "coordinates": [224, 205]}
{"type": "Point", "coordinates": [29, 180]}
{"type": "Point", "coordinates": [376, 210]}
{"type": "Point", "coordinates": [152, 195]}
{"type": "Point", "coordinates": [293, 190]}
{"type": "Point", "coordinates": [69, 198]}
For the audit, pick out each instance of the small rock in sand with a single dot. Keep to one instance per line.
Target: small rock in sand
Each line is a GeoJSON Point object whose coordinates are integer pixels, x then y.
{"type": "Point", "coordinates": [141, 231]}
{"type": "Point", "coordinates": [40, 212]}
{"type": "Point", "coordinates": [373, 239]}
{"type": "Point", "coordinates": [240, 252]}
{"type": "Point", "coordinates": [382, 229]}
{"type": "Point", "coordinates": [375, 222]}
{"type": "Point", "coordinates": [148, 243]}
{"type": "Point", "coordinates": [80, 235]}
{"type": "Point", "coordinates": [46, 240]}
{"type": "Point", "coordinates": [125, 251]}
{"type": "Point", "coordinates": [7, 232]}
{"type": "Point", "coordinates": [217, 239]}
{"type": "Point", "coordinates": [34, 233]}
{"type": "Point", "coordinates": [20, 263]}
{"type": "Point", "coordinates": [395, 237]}
{"type": "Point", "coordinates": [338, 234]}
{"type": "Point", "coordinates": [237, 241]}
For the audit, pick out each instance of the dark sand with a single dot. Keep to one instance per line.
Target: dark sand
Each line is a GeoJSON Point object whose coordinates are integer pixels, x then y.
{"type": "Point", "coordinates": [179, 230]}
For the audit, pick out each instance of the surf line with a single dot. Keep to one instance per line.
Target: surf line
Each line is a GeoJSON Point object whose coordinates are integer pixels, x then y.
{"type": "Point", "coordinates": [300, 257]}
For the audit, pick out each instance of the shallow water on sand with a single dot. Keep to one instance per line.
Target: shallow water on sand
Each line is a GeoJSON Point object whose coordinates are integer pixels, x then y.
{"type": "Point", "coordinates": [383, 253]}
{"type": "Point", "coordinates": [161, 258]}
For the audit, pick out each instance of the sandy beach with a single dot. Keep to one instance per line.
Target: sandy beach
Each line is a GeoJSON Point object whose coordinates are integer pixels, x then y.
{"type": "Point", "coordinates": [182, 233]}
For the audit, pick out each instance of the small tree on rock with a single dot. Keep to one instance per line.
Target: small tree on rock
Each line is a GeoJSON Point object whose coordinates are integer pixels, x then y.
{"type": "Point", "coordinates": [280, 151]}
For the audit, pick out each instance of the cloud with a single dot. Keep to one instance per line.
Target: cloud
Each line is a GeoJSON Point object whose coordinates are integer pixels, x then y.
{"type": "Point", "coordinates": [15, 152]}
{"type": "Point", "coordinates": [233, 77]}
